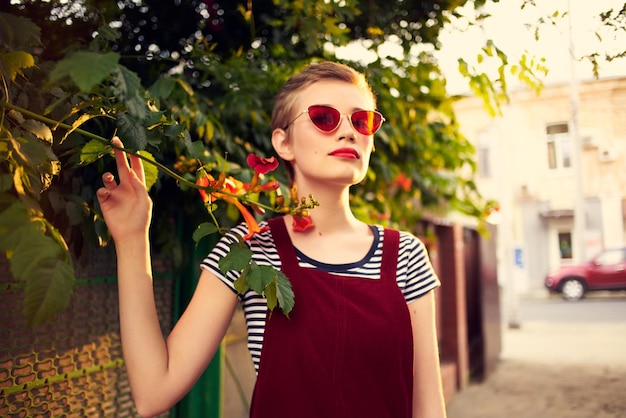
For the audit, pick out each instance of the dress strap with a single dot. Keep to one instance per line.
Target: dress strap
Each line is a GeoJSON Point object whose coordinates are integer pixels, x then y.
{"type": "Point", "coordinates": [389, 263]}
{"type": "Point", "coordinates": [282, 241]}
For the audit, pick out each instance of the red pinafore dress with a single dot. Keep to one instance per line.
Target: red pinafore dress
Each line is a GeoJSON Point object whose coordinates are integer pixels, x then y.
{"type": "Point", "coordinates": [345, 351]}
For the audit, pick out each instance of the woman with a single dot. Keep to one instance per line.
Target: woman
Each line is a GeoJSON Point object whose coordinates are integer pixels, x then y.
{"type": "Point", "coordinates": [361, 338]}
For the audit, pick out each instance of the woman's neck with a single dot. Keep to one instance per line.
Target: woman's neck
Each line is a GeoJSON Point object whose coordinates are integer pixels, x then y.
{"type": "Point", "coordinates": [333, 213]}
{"type": "Point", "coordinates": [337, 236]}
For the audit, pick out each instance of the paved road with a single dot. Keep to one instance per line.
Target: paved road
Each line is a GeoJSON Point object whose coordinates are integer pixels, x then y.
{"type": "Point", "coordinates": [566, 361]}
{"type": "Point", "coordinates": [601, 307]}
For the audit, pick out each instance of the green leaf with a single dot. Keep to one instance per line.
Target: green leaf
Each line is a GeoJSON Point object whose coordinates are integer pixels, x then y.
{"type": "Point", "coordinates": [241, 283]}
{"type": "Point", "coordinates": [40, 130]}
{"type": "Point", "coordinates": [14, 62]}
{"type": "Point", "coordinates": [43, 262]}
{"type": "Point", "coordinates": [204, 229]}
{"type": "Point", "coordinates": [284, 293]}
{"type": "Point", "coordinates": [126, 84]}
{"type": "Point", "coordinates": [150, 171]}
{"type": "Point", "coordinates": [48, 290]}
{"type": "Point", "coordinates": [93, 151]}
{"type": "Point", "coordinates": [78, 122]}
{"type": "Point", "coordinates": [33, 248]}
{"type": "Point", "coordinates": [236, 259]}
{"type": "Point", "coordinates": [132, 134]}
{"type": "Point", "coordinates": [154, 118]}
{"type": "Point", "coordinates": [270, 295]}
{"type": "Point", "coordinates": [196, 149]}
{"type": "Point", "coordinates": [259, 277]}
{"type": "Point", "coordinates": [12, 219]}
{"type": "Point", "coordinates": [138, 109]}
{"type": "Point", "coordinates": [86, 69]}
{"type": "Point", "coordinates": [162, 88]}
{"type": "Point", "coordinates": [127, 88]}
{"type": "Point", "coordinates": [36, 162]}
{"type": "Point", "coordinates": [174, 130]}
{"type": "Point", "coordinates": [18, 32]}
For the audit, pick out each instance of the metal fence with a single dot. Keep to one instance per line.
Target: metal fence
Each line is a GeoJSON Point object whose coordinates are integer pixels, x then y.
{"type": "Point", "coordinates": [71, 366]}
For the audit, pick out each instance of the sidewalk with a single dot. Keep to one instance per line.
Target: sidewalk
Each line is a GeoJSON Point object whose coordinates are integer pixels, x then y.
{"type": "Point", "coordinates": [552, 370]}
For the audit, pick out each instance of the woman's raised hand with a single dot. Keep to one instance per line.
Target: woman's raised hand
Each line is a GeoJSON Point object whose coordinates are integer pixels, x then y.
{"type": "Point", "coordinates": [126, 206]}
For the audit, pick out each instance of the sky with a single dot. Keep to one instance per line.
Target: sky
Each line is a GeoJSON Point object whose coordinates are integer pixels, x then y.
{"type": "Point", "coordinates": [508, 25]}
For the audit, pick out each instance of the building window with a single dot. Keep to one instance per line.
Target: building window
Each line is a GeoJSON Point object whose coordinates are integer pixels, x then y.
{"type": "Point", "coordinates": [559, 146]}
{"type": "Point", "coordinates": [565, 245]}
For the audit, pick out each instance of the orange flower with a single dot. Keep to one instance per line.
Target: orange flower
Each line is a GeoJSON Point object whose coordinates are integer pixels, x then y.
{"type": "Point", "coordinates": [253, 225]}
{"type": "Point", "coordinates": [233, 187]}
{"type": "Point", "coordinates": [206, 181]}
{"type": "Point", "coordinates": [254, 187]}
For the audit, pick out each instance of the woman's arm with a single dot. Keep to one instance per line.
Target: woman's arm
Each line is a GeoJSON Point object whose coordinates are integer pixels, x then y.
{"type": "Point", "coordinates": [160, 371]}
{"type": "Point", "coordinates": [428, 401]}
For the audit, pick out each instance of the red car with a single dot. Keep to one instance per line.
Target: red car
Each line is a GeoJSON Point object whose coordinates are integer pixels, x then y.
{"type": "Point", "coordinates": [606, 271]}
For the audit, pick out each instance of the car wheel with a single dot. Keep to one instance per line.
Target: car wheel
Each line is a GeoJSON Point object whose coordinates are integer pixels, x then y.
{"type": "Point", "coordinates": [573, 289]}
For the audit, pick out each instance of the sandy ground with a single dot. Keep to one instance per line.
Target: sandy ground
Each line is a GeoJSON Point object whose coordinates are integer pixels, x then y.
{"type": "Point", "coordinates": [550, 370]}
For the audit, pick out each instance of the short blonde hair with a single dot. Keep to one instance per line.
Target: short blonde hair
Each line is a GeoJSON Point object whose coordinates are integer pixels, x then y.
{"type": "Point", "coordinates": [326, 70]}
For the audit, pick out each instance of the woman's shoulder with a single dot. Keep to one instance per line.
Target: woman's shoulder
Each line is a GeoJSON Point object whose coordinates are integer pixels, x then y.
{"type": "Point", "coordinates": [406, 237]}
{"type": "Point", "coordinates": [242, 229]}
{"type": "Point", "coordinates": [409, 242]}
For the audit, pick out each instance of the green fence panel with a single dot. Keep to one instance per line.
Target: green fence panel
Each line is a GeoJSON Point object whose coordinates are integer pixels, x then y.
{"type": "Point", "coordinates": [205, 398]}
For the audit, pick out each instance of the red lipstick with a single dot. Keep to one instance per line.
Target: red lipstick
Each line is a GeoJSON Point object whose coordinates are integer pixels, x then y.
{"type": "Point", "coordinates": [349, 153]}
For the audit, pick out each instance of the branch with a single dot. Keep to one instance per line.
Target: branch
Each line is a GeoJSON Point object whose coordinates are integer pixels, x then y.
{"type": "Point", "coordinates": [103, 140]}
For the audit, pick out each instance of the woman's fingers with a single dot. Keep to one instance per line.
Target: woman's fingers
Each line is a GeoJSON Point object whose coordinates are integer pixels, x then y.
{"type": "Point", "coordinates": [110, 184]}
{"type": "Point", "coordinates": [103, 194]}
{"type": "Point", "coordinates": [109, 181]}
{"type": "Point", "coordinates": [120, 159]}
{"type": "Point", "coordinates": [123, 167]}
{"type": "Point", "coordinates": [137, 166]}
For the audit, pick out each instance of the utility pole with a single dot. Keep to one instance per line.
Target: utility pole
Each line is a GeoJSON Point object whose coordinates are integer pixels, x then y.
{"type": "Point", "coordinates": [579, 198]}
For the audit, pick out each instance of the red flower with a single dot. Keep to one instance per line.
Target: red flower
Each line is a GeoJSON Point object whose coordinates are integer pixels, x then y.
{"type": "Point", "coordinates": [302, 223]}
{"type": "Point", "coordinates": [404, 182]}
{"type": "Point", "coordinates": [262, 165]}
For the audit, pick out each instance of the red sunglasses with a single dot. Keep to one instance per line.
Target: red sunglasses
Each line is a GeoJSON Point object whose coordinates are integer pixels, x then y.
{"type": "Point", "coordinates": [327, 119]}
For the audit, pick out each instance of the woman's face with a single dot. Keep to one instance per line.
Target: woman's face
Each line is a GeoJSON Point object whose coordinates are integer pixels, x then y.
{"type": "Point", "coordinates": [340, 157]}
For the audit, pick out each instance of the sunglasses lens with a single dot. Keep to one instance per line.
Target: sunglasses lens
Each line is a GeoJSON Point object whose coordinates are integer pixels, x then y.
{"type": "Point", "coordinates": [325, 118]}
{"type": "Point", "coordinates": [366, 122]}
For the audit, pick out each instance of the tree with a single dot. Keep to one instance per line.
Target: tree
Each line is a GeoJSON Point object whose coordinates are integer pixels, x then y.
{"type": "Point", "coordinates": [195, 93]}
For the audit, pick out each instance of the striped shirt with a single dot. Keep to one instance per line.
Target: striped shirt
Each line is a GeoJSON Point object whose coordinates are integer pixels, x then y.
{"type": "Point", "coordinates": [415, 275]}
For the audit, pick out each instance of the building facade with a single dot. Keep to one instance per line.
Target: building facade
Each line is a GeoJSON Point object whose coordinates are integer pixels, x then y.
{"type": "Point", "coordinates": [547, 159]}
